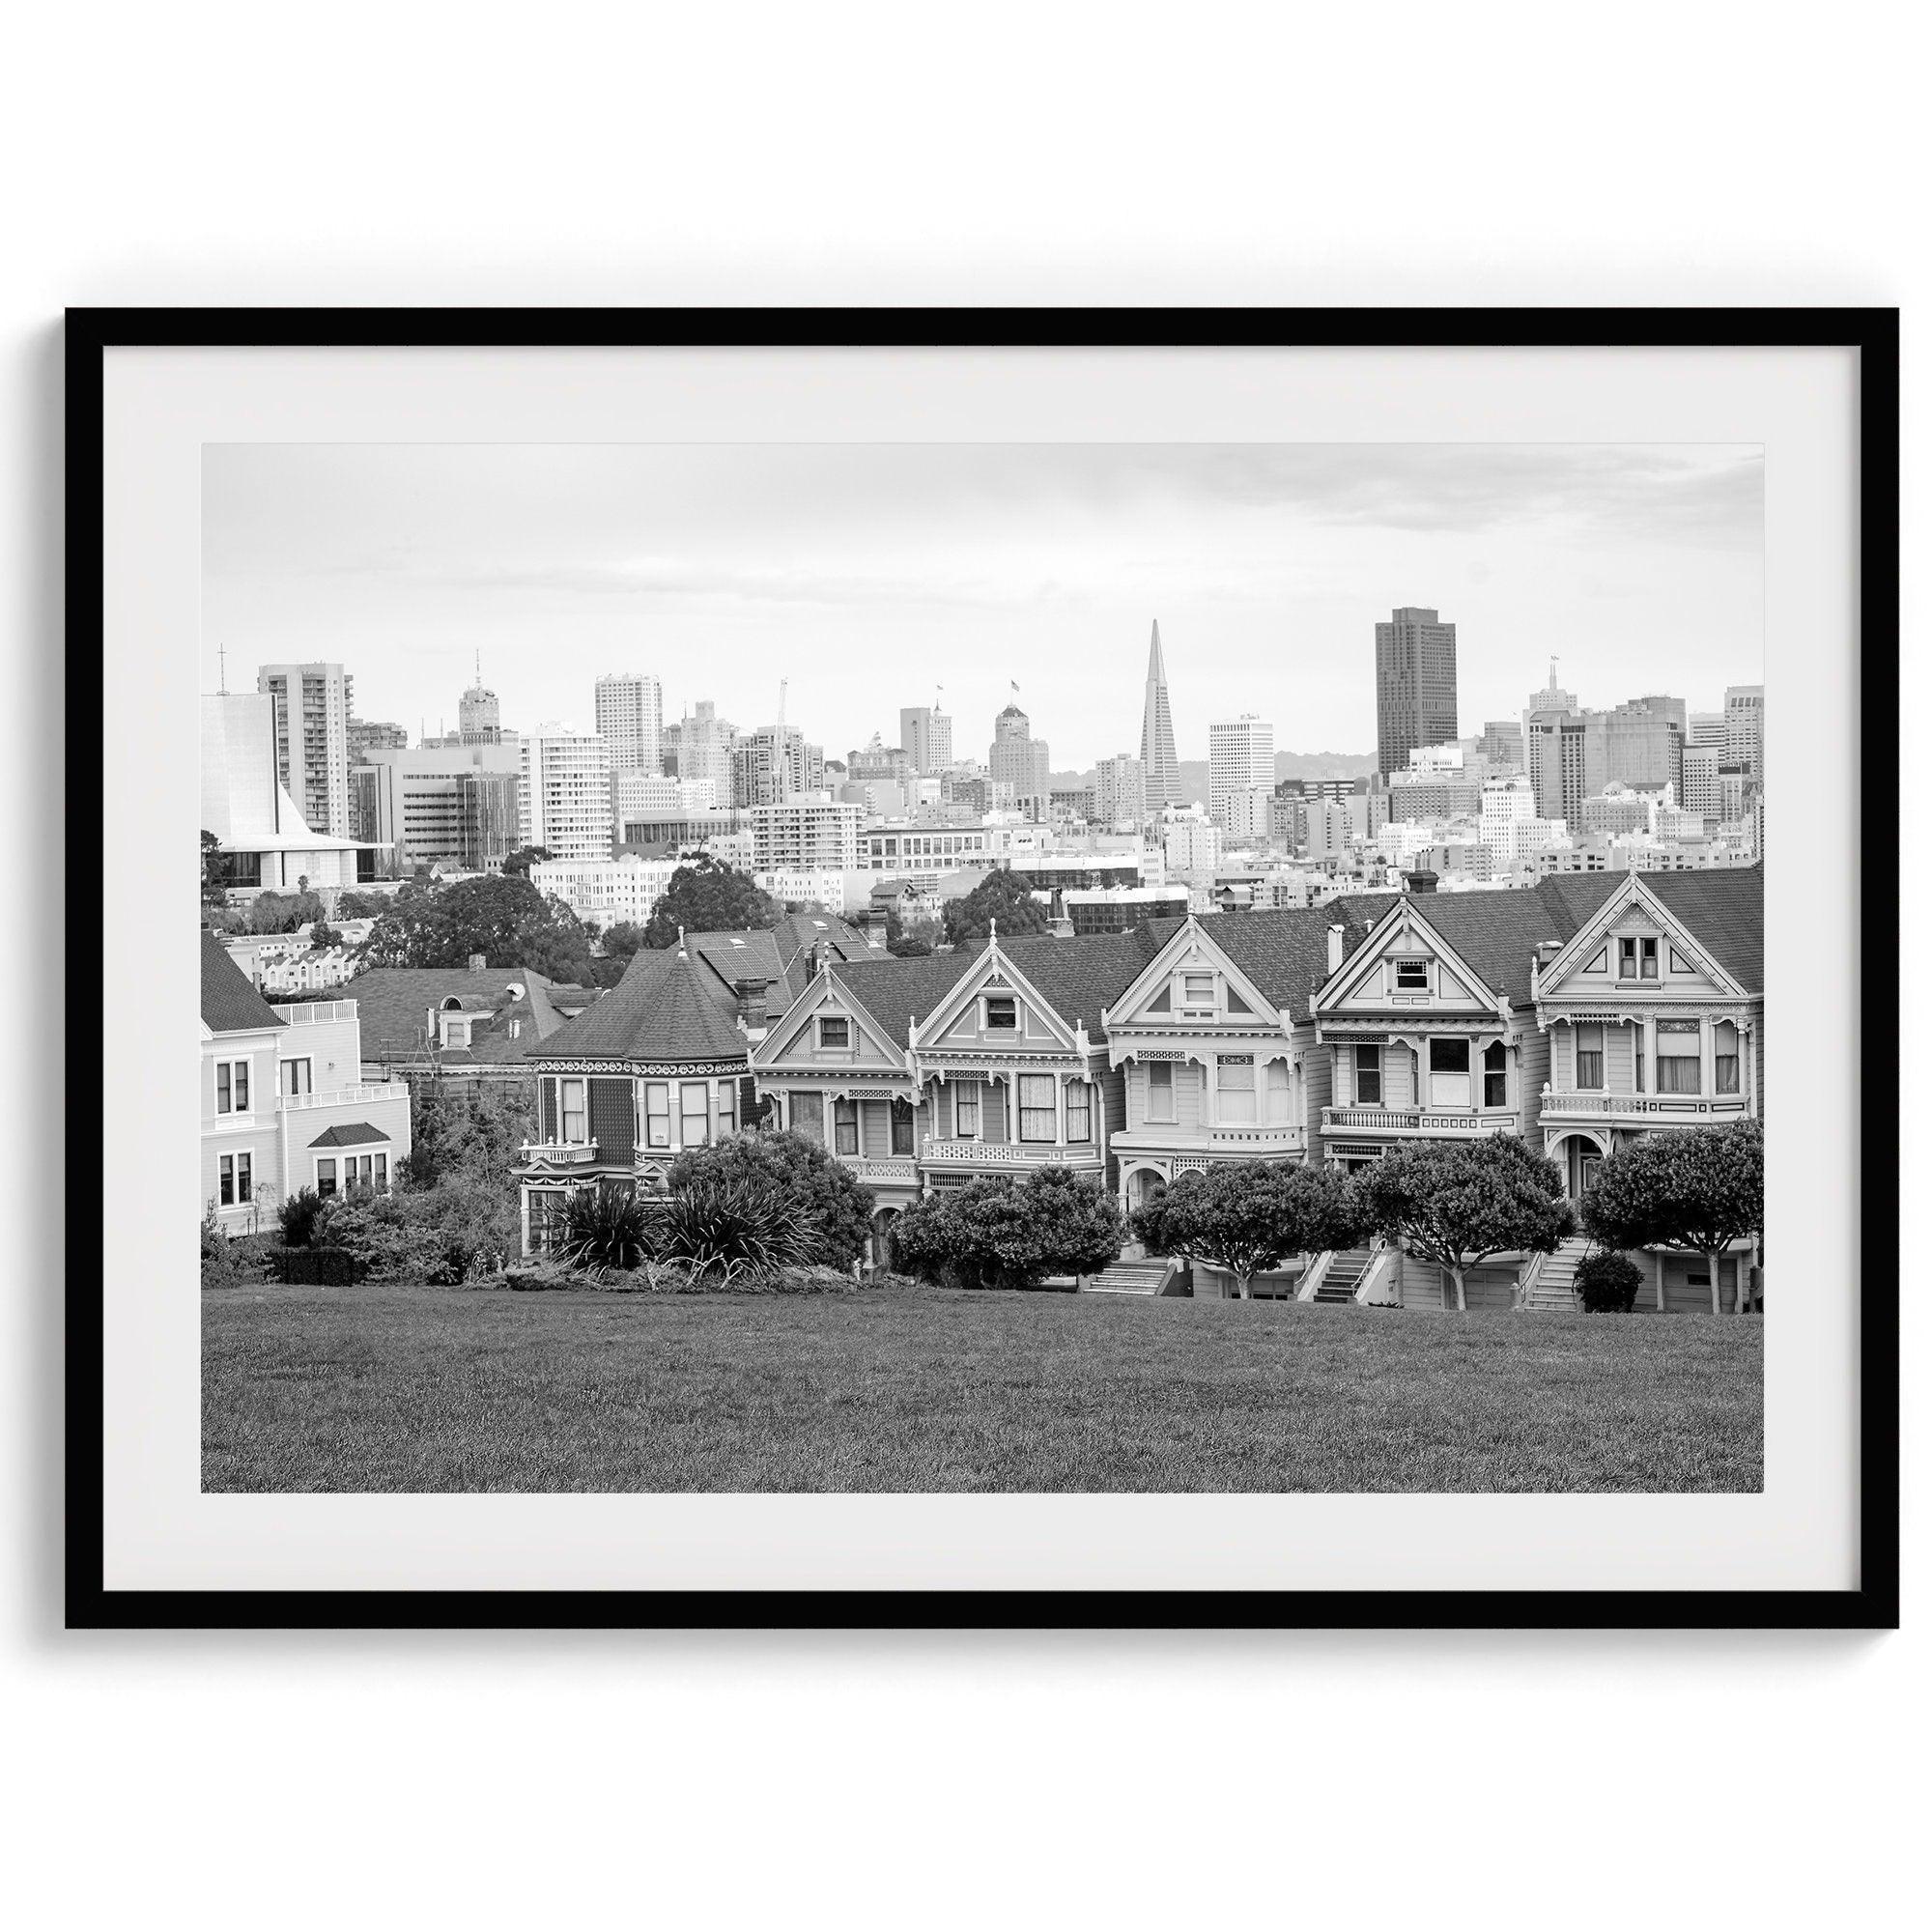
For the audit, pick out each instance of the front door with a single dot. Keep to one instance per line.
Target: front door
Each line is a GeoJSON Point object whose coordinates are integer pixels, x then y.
{"type": "Point", "coordinates": [1584, 1161]}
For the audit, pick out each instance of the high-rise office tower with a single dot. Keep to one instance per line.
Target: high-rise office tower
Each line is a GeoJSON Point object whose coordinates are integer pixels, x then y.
{"type": "Point", "coordinates": [563, 800]}
{"type": "Point", "coordinates": [1240, 763]}
{"type": "Point", "coordinates": [1552, 746]}
{"type": "Point", "coordinates": [704, 745]}
{"type": "Point", "coordinates": [1017, 758]}
{"type": "Point", "coordinates": [1744, 727]}
{"type": "Point", "coordinates": [479, 718]}
{"type": "Point", "coordinates": [773, 764]}
{"type": "Point", "coordinates": [925, 737]}
{"type": "Point", "coordinates": [1415, 685]}
{"type": "Point", "coordinates": [1639, 744]}
{"type": "Point", "coordinates": [630, 720]}
{"type": "Point", "coordinates": [1160, 769]}
{"type": "Point", "coordinates": [313, 703]}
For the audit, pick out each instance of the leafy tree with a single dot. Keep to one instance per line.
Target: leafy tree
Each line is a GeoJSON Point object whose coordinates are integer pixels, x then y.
{"type": "Point", "coordinates": [1458, 1203]}
{"type": "Point", "coordinates": [705, 897]}
{"type": "Point", "coordinates": [1699, 1188]}
{"type": "Point", "coordinates": [283, 912]}
{"type": "Point", "coordinates": [999, 895]}
{"type": "Point", "coordinates": [624, 939]}
{"type": "Point", "coordinates": [831, 1209]}
{"type": "Point", "coordinates": [471, 1137]}
{"type": "Point", "coordinates": [322, 936]}
{"type": "Point", "coordinates": [361, 905]}
{"type": "Point", "coordinates": [998, 1231]}
{"type": "Point", "coordinates": [213, 886]}
{"type": "Point", "coordinates": [911, 939]}
{"type": "Point", "coordinates": [518, 862]}
{"type": "Point", "coordinates": [506, 920]}
{"type": "Point", "coordinates": [1250, 1216]}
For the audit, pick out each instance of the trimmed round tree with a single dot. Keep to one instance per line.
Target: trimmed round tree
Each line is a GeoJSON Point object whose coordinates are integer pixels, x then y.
{"type": "Point", "coordinates": [833, 1210]}
{"type": "Point", "coordinates": [1249, 1216]}
{"type": "Point", "coordinates": [1694, 1188]}
{"type": "Point", "coordinates": [998, 1231]}
{"type": "Point", "coordinates": [1457, 1203]}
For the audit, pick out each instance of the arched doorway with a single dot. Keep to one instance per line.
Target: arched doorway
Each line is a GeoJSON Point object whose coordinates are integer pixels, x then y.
{"type": "Point", "coordinates": [1578, 1156]}
{"type": "Point", "coordinates": [883, 1247]}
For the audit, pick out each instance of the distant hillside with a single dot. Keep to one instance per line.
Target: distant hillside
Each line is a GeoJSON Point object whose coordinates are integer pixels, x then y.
{"type": "Point", "coordinates": [1287, 765]}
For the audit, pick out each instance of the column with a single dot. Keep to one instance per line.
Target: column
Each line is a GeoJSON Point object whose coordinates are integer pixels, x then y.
{"type": "Point", "coordinates": [1707, 1072]}
{"type": "Point", "coordinates": [1060, 1109]}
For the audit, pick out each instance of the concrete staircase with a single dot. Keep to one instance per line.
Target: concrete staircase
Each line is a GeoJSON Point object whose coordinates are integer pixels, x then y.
{"type": "Point", "coordinates": [1343, 1276]}
{"type": "Point", "coordinates": [1144, 1275]}
{"type": "Point", "coordinates": [1553, 1292]}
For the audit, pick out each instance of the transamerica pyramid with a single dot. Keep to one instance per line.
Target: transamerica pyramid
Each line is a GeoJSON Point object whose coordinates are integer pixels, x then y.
{"type": "Point", "coordinates": [1160, 770]}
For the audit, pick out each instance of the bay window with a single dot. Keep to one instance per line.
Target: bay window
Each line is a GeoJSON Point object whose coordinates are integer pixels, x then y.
{"type": "Point", "coordinates": [1278, 1109]}
{"type": "Point", "coordinates": [1079, 1112]}
{"type": "Point", "coordinates": [324, 1178]}
{"type": "Point", "coordinates": [1724, 1057]}
{"type": "Point", "coordinates": [1589, 1055]}
{"type": "Point", "coordinates": [1368, 1077]}
{"type": "Point", "coordinates": [1039, 1118]}
{"type": "Point", "coordinates": [1679, 1068]}
{"type": "Point", "coordinates": [1236, 1088]}
{"type": "Point", "coordinates": [693, 1113]}
{"type": "Point", "coordinates": [1161, 1093]}
{"type": "Point", "coordinates": [1448, 1072]}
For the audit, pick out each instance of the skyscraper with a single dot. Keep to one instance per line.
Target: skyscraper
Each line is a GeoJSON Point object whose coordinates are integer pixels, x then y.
{"type": "Point", "coordinates": [1017, 758]}
{"type": "Point", "coordinates": [630, 720]}
{"type": "Point", "coordinates": [1240, 774]}
{"type": "Point", "coordinates": [563, 800]}
{"type": "Point", "coordinates": [479, 718]}
{"type": "Point", "coordinates": [1160, 769]}
{"type": "Point", "coordinates": [704, 745]}
{"type": "Point", "coordinates": [925, 737]}
{"type": "Point", "coordinates": [1744, 727]}
{"type": "Point", "coordinates": [1552, 745]}
{"type": "Point", "coordinates": [1415, 685]}
{"type": "Point", "coordinates": [312, 706]}
{"type": "Point", "coordinates": [1120, 791]}
{"type": "Point", "coordinates": [773, 764]}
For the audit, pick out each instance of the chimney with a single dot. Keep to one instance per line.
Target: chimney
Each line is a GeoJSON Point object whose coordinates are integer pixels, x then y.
{"type": "Point", "coordinates": [476, 962]}
{"type": "Point", "coordinates": [1420, 882]}
{"type": "Point", "coordinates": [1334, 946]}
{"type": "Point", "coordinates": [1060, 924]}
{"type": "Point", "coordinates": [872, 924]}
{"type": "Point", "coordinates": [751, 1015]}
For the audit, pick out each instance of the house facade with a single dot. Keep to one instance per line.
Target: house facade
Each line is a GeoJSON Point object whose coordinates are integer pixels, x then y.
{"type": "Point", "coordinates": [284, 1102]}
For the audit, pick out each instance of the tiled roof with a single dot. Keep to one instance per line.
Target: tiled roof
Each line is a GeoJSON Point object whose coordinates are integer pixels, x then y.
{"type": "Point", "coordinates": [358, 1133]}
{"type": "Point", "coordinates": [669, 1007]}
{"type": "Point", "coordinates": [1724, 909]}
{"type": "Point", "coordinates": [393, 1004]}
{"type": "Point", "coordinates": [899, 994]}
{"type": "Point", "coordinates": [1286, 953]}
{"type": "Point", "coordinates": [1079, 978]}
{"type": "Point", "coordinates": [1496, 933]}
{"type": "Point", "coordinates": [229, 1003]}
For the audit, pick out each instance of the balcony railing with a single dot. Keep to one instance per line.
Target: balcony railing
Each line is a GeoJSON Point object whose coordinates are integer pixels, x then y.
{"type": "Point", "coordinates": [1266, 1136]}
{"type": "Point", "coordinates": [559, 1154]}
{"type": "Point", "coordinates": [1422, 1120]}
{"type": "Point", "coordinates": [1011, 1153]}
{"type": "Point", "coordinates": [901, 1169]}
{"type": "Point", "coordinates": [1645, 1106]}
{"type": "Point", "coordinates": [339, 1096]}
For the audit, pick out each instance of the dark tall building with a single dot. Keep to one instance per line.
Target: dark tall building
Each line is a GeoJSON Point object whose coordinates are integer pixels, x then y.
{"type": "Point", "coordinates": [1415, 686]}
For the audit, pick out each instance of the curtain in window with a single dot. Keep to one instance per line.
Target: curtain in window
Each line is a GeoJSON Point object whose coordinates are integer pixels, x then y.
{"type": "Point", "coordinates": [1161, 1093]}
{"type": "Point", "coordinates": [1235, 1081]}
{"type": "Point", "coordinates": [1678, 1070]}
{"type": "Point", "coordinates": [1495, 1074]}
{"type": "Point", "coordinates": [1724, 1057]}
{"type": "Point", "coordinates": [575, 1120]}
{"type": "Point", "coordinates": [845, 1125]}
{"type": "Point", "coordinates": [1277, 1091]}
{"type": "Point", "coordinates": [1079, 1112]}
{"type": "Point", "coordinates": [1448, 1072]}
{"type": "Point", "coordinates": [966, 1110]}
{"type": "Point", "coordinates": [1590, 1056]}
{"type": "Point", "coordinates": [901, 1126]}
{"type": "Point", "coordinates": [1037, 1120]}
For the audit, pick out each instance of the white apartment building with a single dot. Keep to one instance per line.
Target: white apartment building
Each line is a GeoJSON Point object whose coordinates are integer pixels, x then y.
{"type": "Point", "coordinates": [1240, 758]}
{"type": "Point", "coordinates": [821, 887]}
{"type": "Point", "coordinates": [924, 852]}
{"type": "Point", "coordinates": [1189, 842]}
{"type": "Point", "coordinates": [630, 720]}
{"type": "Point", "coordinates": [1120, 791]}
{"type": "Point", "coordinates": [313, 706]}
{"type": "Point", "coordinates": [813, 832]}
{"type": "Point", "coordinates": [638, 797]}
{"type": "Point", "coordinates": [607, 889]}
{"type": "Point", "coordinates": [564, 796]}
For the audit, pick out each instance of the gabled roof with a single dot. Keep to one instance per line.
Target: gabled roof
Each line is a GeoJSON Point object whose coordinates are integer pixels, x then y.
{"type": "Point", "coordinates": [1496, 934]}
{"type": "Point", "coordinates": [1286, 953]}
{"type": "Point", "coordinates": [668, 1008]}
{"type": "Point", "coordinates": [900, 993]}
{"type": "Point", "coordinates": [392, 1003]}
{"type": "Point", "coordinates": [1079, 978]}
{"type": "Point", "coordinates": [229, 1003]}
{"type": "Point", "coordinates": [1722, 909]}
{"type": "Point", "coordinates": [357, 1134]}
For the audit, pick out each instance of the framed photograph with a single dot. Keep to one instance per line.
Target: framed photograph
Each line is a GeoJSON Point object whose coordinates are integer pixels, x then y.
{"type": "Point", "coordinates": [965, 968]}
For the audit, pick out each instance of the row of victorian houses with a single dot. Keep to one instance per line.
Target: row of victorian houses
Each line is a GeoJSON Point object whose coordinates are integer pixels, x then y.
{"type": "Point", "coordinates": [1579, 1014]}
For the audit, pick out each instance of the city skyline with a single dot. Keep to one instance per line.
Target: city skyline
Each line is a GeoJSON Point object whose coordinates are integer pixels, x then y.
{"type": "Point", "coordinates": [719, 571]}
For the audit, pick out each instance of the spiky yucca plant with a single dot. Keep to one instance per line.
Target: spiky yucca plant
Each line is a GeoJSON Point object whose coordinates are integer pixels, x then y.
{"type": "Point", "coordinates": [606, 1227]}
{"type": "Point", "coordinates": [729, 1230]}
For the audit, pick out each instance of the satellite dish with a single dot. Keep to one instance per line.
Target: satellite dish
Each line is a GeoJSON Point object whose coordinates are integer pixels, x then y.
{"type": "Point", "coordinates": [516, 991]}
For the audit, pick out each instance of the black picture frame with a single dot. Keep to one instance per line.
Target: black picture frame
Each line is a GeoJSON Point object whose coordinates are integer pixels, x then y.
{"type": "Point", "coordinates": [1873, 333]}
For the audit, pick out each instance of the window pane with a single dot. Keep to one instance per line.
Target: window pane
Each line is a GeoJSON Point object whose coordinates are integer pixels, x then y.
{"type": "Point", "coordinates": [1235, 1076]}
{"type": "Point", "coordinates": [833, 1033]}
{"type": "Point", "coordinates": [1079, 1111]}
{"type": "Point", "coordinates": [244, 1177]}
{"type": "Point", "coordinates": [576, 1124]}
{"type": "Point", "coordinates": [657, 1113]}
{"type": "Point", "coordinates": [966, 1111]}
{"type": "Point", "coordinates": [241, 1086]}
{"type": "Point", "coordinates": [1278, 1106]}
{"type": "Point", "coordinates": [324, 1177]}
{"type": "Point", "coordinates": [381, 1172]}
{"type": "Point", "coordinates": [1001, 1016]}
{"type": "Point", "coordinates": [902, 1118]}
{"type": "Point", "coordinates": [694, 1113]}
{"type": "Point", "coordinates": [1368, 1075]}
{"type": "Point", "coordinates": [1038, 1122]}
{"type": "Point", "coordinates": [224, 1102]}
{"type": "Point", "coordinates": [228, 1180]}
{"type": "Point", "coordinates": [1412, 975]}
{"type": "Point", "coordinates": [1161, 1093]}
{"type": "Point", "coordinates": [728, 1107]}
{"type": "Point", "coordinates": [1448, 1056]}
{"type": "Point", "coordinates": [1590, 1056]}
{"type": "Point", "coordinates": [845, 1125]}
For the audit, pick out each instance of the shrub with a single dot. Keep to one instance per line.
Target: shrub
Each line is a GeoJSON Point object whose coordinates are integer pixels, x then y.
{"type": "Point", "coordinates": [833, 1210]}
{"type": "Point", "coordinates": [606, 1226]}
{"type": "Point", "coordinates": [315, 1267]}
{"type": "Point", "coordinates": [297, 1215]}
{"type": "Point", "coordinates": [441, 1234]}
{"type": "Point", "coordinates": [219, 1267]}
{"type": "Point", "coordinates": [729, 1230]}
{"type": "Point", "coordinates": [998, 1231]}
{"type": "Point", "coordinates": [1608, 1284]}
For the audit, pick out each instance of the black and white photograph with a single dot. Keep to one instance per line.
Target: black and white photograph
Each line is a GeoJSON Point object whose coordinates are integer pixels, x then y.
{"type": "Point", "coordinates": [985, 967]}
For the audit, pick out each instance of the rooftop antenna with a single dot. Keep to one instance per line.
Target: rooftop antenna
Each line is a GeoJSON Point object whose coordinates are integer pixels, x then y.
{"type": "Point", "coordinates": [783, 682]}
{"type": "Point", "coordinates": [221, 652]}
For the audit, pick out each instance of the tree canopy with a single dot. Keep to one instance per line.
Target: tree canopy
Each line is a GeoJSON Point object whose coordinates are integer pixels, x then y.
{"type": "Point", "coordinates": [506, 920]}
{"type": "Point", "coordinates": [705, 897]}
{"type": "Point", "coordinates": [999, 895]}
{"type": "Point", "coordinates": [911, 939]}
{"type": "Point", "coordinates": [469, 1136]}
{"type": "Point", "coordinates": [1697, 1188]}
{"type": "Point", "coordinates": [1456, 1202]}
{"type": "Point", "coordinates": [213, 886]}
{"type": "Point", "coordinates": [623, 939]}
{"type": "Point", "coordinates": [1250, 1216]}
{"type": "Point", "coordinates": [831, 1206]}
{"type": "Point", "coordinates": [283, 912]}
{"type": "Point", "coordinates": [517, 866]}
{"type": "Point", "coordinates": [999, 1232]}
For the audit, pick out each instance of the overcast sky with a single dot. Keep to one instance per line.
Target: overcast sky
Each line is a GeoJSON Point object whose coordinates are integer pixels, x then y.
{"type": "Point", "coordinates": [871, 574]}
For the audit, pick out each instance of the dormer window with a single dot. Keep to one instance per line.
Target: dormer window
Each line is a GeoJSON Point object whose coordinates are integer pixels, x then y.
{"type": "Point", "coordinates": [834, 1031]}
{"type": "Point", "coordinates": [1637, 958]}
{"type": "Point", "coordinates": [1002, 1013]}
{"type": "Point", "coordinates": [1411, 976]}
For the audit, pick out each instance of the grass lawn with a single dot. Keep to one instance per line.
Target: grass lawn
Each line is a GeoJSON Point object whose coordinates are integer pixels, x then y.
{"type": "Point", "coordinates": [432, 1388]}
